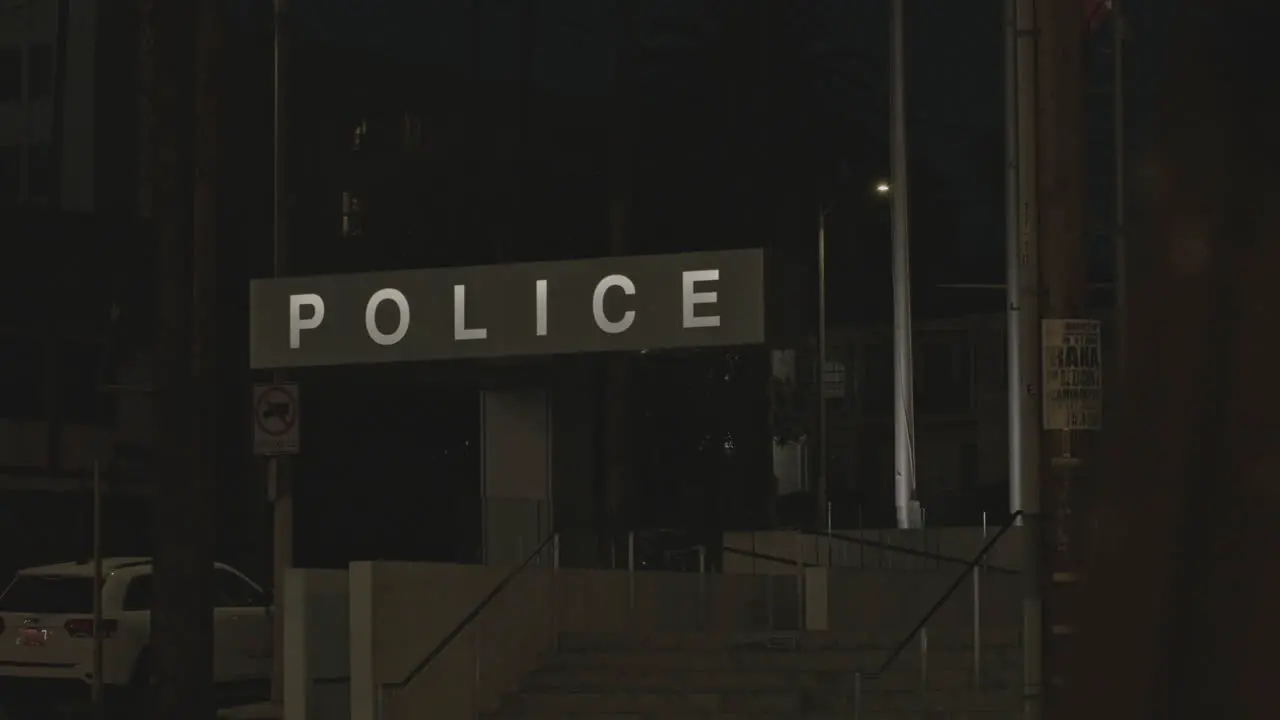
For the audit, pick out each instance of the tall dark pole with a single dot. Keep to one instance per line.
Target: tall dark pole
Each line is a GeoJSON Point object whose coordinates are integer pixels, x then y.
{"type": "Point", "coordinates": [1066, 453]}
{"type": "Point", "coordinates": [618, 378]}
{"type": "Point", "coordinates": [1121, 229]}
{"type": "Point", "coordinates": [279, 470]}
{"type": "Point", "coordinates": [1024, 336]}
{"type": "Point", "coordinates": [821, 484]}
{"type": "Point", "coordinates": [181, 652]}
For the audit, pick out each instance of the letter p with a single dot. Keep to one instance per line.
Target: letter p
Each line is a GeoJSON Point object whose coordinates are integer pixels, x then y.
{"type": "Point", "coordinates": [297, 323]}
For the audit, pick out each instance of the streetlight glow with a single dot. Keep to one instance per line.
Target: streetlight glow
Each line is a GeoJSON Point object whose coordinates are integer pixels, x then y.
{"type": "Point", "coordinates": [882, 188]}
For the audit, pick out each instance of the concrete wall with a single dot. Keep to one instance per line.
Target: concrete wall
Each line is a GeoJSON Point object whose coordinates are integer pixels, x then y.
{"type": "Point", "coordinates": [317, 657]}
{"type": "Point", "coordinates": [401, 611]}
{"type": "Point", "coordinates": [516, 471]}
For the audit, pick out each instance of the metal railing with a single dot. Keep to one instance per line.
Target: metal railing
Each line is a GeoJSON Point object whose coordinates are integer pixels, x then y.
{"type": "Point", "coordinates": [385, 689]}
{"type": "Point", "coordinates": [901, 550]}
{"type": "Point", "coordinates": [973, 568]}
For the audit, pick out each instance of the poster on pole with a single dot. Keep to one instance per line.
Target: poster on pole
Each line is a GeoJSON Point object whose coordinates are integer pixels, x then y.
{"type": "Point", "coordinates": [1071, 358]}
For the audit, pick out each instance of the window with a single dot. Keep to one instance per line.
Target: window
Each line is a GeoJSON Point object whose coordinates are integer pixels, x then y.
{"type": "Point", "coordinates": [83, 373]}
{"type": "Point", "coordinates": [876, 387]}
{"type": "Point", "coordinates": [41, 174]}
{"type": "Point", "coordinates": [10, 171]}
{"type": "Point", "coordinates": [231, 590]}
{"type": "Point", "coordinates": [359, 135]}
{"type": "Point", "coordinates": [138, 595]}
{"type": "Point", "coordinates": [352, 216]}
{"type": "Point", "coordinates": [52, 594]}
{"type": "Point", "coordinates": [10, 74]}
{"type": "Point", "coordinates": [20, 376]}
{"type": "Point", "coordinates": [39, 70]}
{"type": "Point", "coordinates": [944, 380]}
{"type": "Point", "coordinates": [412, 133]}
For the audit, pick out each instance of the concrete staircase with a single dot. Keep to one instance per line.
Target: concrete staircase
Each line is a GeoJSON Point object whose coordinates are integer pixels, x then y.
{"type": "Point", "coordinates": [778, 675]}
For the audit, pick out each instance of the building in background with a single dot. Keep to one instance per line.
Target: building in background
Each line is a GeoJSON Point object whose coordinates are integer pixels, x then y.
{"type": "Point", "coordinates": [66, 80]}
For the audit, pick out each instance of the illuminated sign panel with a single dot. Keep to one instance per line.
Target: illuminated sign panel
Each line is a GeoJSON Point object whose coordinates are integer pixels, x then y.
{"type": "Point", "coordinates": [547, 308]}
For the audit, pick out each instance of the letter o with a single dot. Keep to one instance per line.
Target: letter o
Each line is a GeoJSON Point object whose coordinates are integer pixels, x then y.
{"type": "Point", "coordinates": [371, 311]}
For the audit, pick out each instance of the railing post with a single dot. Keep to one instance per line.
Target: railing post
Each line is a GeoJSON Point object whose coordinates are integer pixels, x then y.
{"type": "Point", "coordinates": [475, 662]}
{"type": "Point", "coordinates": [977, 611]}
{"type": "Point", "coordinates": [800, 623]}
{"type": "Point", "coordinates": [924, 661]}
{"type": "Point", "coordinates": [977, 626]}
{"type": "Point", "coordinates": [857, 695]}
{"type": "Point", "coordinates": [702, 586]}
{"type": "Point", "coordinates": [631, 570]}
{"type": "Point", "coordinates": [553, 593]}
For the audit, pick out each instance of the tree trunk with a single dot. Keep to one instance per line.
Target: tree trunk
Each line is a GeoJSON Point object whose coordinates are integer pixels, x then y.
{"type": "Point", "coordinates": [1182, 592]}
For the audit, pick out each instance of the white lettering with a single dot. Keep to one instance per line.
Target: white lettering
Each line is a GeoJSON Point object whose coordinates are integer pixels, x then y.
{"type": "Point", "coordinates": [297, 323]}
{"type": "Point", "coordinates": [540, 306]}
{"type": "Point", "coordinates": [371, 312]}
{"type": "Point", "coordinates": [691, 298]}
{"type": "Point", "coordinates": [597, 304]}
{"type": "Point", "coordinates": [460, 329]}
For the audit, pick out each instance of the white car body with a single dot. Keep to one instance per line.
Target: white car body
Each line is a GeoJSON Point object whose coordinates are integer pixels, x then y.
{"type": "Point", "coordinates": [51, 643]}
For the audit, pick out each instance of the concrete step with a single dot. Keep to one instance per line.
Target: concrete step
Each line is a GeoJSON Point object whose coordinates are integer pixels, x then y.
{"type": "Point", "coordinates": [867, 714]}
{"type": "Point", "coordinates": [777, 703]}
{"type": "Point", "coordinates": [940, 638]}
{"type": "Point", "coordinates": [845, 660]}
{"type": "Point", "coordinates": [587, 678]}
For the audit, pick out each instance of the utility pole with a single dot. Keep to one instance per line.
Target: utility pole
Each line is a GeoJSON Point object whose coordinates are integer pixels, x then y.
{"type": "Point", "coordinates": [1065, 453]}
{"type": "Point", "coordinates": [180, 659]}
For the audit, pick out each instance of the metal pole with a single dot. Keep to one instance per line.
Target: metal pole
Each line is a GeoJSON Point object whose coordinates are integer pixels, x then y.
{"type": "Point", "coordinates": [904, 401]}
{"type": "Point", "coordinates": [98, 706]}
{"type": "Point", "coordinates": [278, 480]}
{"type": "Point", "coordinates": [822, 361]}
{"type": "Point", "coordinates": [830, 532]}
{"type": "Point", "coordinates": [25, 122]}
{"type": "Point", "coordinates": [857, 696]}
{"type": "Point", "coordinates": [631, 569]}
{"type": "Point", "coordinates": [977, 626]}
{"type": "Point", "coordinates": [800, 624]}
{"type": "Point", "coordinates": [1027, 359]}
{"type": "Point", "coordinates": [924, 659]}
{"type": "Point", "coordinates": [1121, 230]}
{"type": "Point", "coordinates": [1013, 259]}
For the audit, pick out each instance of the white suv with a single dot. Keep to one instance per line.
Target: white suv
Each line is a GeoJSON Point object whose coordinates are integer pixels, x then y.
{"type": "Point", "coordinates": [46, 627]}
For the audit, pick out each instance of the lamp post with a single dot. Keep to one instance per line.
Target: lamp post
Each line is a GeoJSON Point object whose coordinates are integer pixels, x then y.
{"type": "Point", "coordinates": [904, 470]}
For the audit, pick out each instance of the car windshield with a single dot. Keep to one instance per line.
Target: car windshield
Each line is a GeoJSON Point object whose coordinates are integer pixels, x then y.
{"type": "Point", "coordinates": [53, 594]}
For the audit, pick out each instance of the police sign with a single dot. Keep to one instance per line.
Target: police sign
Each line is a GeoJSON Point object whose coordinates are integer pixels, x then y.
{"type": "Point", "coordinates": [546, 308]}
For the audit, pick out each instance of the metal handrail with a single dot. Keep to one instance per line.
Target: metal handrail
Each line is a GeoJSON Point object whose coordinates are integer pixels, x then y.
{"type": "Point", "coordinates": [955, 585]}
{"type": "Point", "coordinates": [890, 547]}
{"type": "Point", "coordinates": [766, 556]}
{"type": "Point", "coordinates": [463, 624]}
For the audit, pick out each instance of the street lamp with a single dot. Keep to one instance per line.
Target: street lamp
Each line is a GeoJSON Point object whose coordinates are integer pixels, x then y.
{"type": "Point", "coordinates": [882, 187]}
